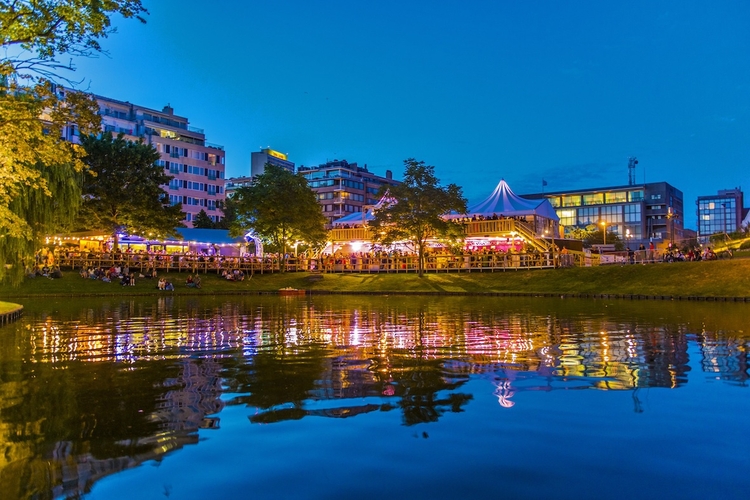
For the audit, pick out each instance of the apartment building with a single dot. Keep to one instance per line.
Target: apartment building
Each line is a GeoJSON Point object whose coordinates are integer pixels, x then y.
{"type": "Point", "coordinates": [197, 166]}
{"type": "Point", "coordinates": [344, 188]}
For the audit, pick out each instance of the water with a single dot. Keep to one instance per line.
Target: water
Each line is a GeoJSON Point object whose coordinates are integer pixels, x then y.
{"type": "Point", "coordinates": [384, 397]}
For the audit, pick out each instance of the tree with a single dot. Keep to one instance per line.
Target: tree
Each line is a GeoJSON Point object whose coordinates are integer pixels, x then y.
{"type": "Point", "coordinates": [418, 210]}
{"type": "Point", "coordinates": [592, 235]}
{"type": "Point", "coordinates": [37, 31]}
{"type": "Point", "coordinates": [40, 173]}
{"type": "Point", "coordinates": [280, 208]}
{"type": "Point", "coordinates": [203, 221]}
{"type": "Point", "coordinates": [229, 210]}
{"type": "Point", "coordinates": [125, 190]}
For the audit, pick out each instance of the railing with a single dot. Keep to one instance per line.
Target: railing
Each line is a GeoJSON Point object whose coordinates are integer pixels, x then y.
{"type": "Point", "coordinates": [499, 227]}
{"type": "Point", "coordinates": [438, 263]}
{"type": "Point", "coordinates": [146, 263]}
{"type": "Point", "coordinates": [350, 234]}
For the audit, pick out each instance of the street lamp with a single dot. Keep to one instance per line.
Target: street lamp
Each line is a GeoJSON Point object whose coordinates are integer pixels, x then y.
{"type": "Point", "coordinates": [671, 216]}
{"type": "Point", "coordinates": [604, 230]}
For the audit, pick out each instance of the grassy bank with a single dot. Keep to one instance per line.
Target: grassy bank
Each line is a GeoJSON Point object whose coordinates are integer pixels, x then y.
{"type": "Point", "coordinates": [6, 307]}
{"type": "Point", "coordinates": [729, 278]}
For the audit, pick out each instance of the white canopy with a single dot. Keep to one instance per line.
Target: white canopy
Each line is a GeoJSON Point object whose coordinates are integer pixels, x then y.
{"type": "Point", "coordinates": [503, 201]}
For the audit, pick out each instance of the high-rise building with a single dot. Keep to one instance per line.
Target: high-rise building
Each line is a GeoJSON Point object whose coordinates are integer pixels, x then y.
{"type": "Point", "coordinates": [259, 160]}
{"type": "Point", "coordinates": [196, 165]}
{"type": "Point", "coordinates": [344, 188]}
{"type": "Point", "coordinates": [719, 213]}
{"type": "Point", "coordinates": [636, 213]}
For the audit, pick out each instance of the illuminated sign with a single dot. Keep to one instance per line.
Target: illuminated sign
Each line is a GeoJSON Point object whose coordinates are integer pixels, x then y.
{"type": "Point", "coordinates": [275, 154]}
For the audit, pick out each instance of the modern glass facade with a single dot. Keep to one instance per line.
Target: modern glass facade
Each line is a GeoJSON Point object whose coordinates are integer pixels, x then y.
{"type": "Point", "coordinates": [639, 213]}
{"type": "Point", "coordinates": [720, 213]}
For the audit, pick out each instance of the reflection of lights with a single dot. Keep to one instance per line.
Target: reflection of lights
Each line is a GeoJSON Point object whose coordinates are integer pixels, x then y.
{"type": "Point", "coordinates": [504, 391]}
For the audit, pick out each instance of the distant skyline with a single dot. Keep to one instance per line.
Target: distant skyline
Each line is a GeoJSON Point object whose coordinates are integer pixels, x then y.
{"type": "Point", "coordinates": [482, 90]}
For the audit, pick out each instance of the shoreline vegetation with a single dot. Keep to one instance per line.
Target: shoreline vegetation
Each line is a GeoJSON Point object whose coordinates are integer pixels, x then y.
{"type": "Point", "coordinates": [723, 279]}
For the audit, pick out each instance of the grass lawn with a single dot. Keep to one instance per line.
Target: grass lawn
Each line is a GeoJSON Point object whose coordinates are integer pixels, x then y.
{"type": "Point", "coordinates": [726, 278]}
{"type": "Point", "coordinates": [6, 307]}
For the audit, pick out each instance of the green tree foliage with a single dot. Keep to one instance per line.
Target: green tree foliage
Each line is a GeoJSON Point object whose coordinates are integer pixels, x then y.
{"type": "Point", "coordinates": [281, 209]}
{"type": "Point", "coordinates": [418, 210]}
{"type": "Point", "coordinates": [203, 221]}
{"type": "Point", "coordinates": [39, 172]}
{"type": "Point", "coordinates": [229, 209]}
{"type": "Point", "coordinates": [124, 189]}
{"type": "Point", "coordinates": [592, 235]}
{"type": "Point", "coordinates": [38, 31]}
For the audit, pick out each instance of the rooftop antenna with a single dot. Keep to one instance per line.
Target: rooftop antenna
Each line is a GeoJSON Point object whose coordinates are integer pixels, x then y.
{"type": "Point", "coordinates": [632, 162]}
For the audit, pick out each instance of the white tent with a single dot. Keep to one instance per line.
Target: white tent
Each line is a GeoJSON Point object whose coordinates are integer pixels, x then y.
{"type": "Point", "coordinates": [504, 202]}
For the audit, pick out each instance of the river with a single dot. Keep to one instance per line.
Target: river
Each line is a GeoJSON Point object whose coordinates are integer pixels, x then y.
{"type": "Point", "coordinates": [374, 397]}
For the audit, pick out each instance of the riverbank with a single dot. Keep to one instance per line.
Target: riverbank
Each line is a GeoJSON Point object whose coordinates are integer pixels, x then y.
{"type": "Point", "coordinates": [9, 311]}
{"type": "Point", "coordinates": [715, 279]}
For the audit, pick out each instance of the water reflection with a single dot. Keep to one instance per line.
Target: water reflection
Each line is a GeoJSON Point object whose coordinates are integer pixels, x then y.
{"type": "Point", "coordinates": [86, 391]}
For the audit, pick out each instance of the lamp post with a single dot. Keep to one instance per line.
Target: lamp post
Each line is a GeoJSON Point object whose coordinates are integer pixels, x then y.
{"type": "Point", "coordinates": [604, 230]}
{"type": "Point", "coordinates": [671, 215]}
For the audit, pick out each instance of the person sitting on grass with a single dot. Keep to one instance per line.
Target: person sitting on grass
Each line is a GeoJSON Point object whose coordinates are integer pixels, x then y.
{"type": "Point", "coordinates": [161, 283]}
{"type": "Point", "coordinates": [55, 273]}
{"type": "Point", "coordinates": [168, 286]}
{"type": "Point", "coordinates": [197, 281]}
{"type": "Point", "coordinates": [132, 279]}
{"type": "Point", "coordinates": [189, 281]}
{"type": "Point", "coordinates": [84, 273]}
{"type": "Point", "coordinates": [125, 281]}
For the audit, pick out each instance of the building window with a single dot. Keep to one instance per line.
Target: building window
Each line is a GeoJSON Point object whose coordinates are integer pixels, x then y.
{"type": "Point", "coordinates": [636, 195]}
{"type": "Point", "coordinates": [617, 197]}
{"type": "Point", "coordinates": [587, 216]}
{"type": "Point", "coordinates": [593, 199]}
{"type": "Point", "coordinates": [567, 217]}
{"type": "Point", "coordinates": [571, 201]}
{"type": "Point", "coordinates": [632, 212]}
{"type": "Point", "coordinates": [612, 214]}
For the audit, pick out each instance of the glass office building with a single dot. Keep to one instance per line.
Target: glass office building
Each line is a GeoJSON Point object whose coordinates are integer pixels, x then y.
{"type": "Point", "coordinates": [636, 213]}
{"type": "Point", "coordinates": [719, 213]}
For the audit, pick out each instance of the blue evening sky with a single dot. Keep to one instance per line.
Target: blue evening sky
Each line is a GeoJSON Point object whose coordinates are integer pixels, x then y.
{"type": "Point", "coordinates": [563, 91]}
